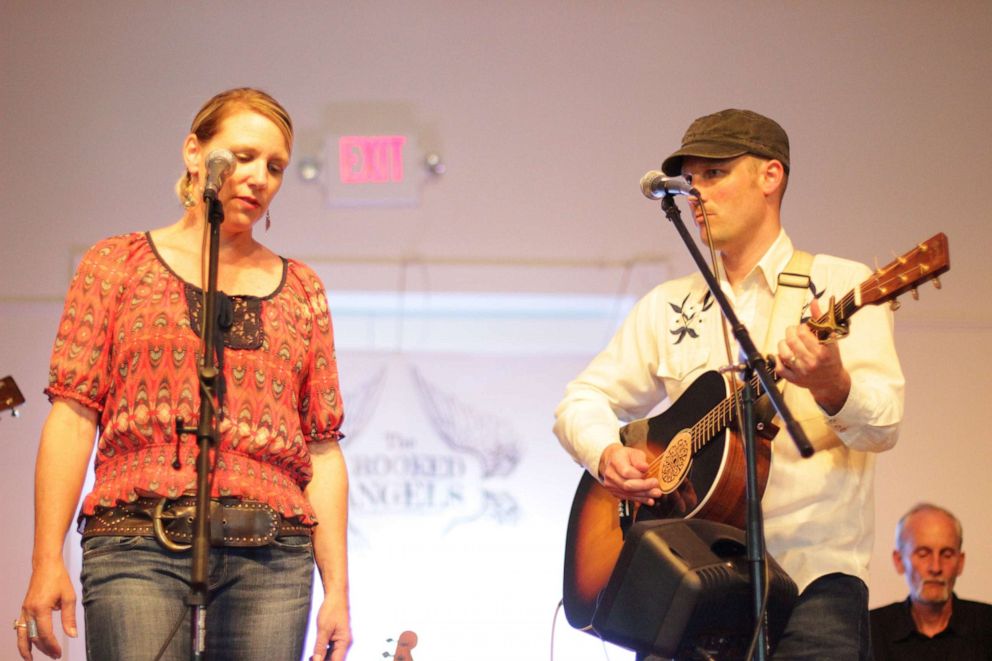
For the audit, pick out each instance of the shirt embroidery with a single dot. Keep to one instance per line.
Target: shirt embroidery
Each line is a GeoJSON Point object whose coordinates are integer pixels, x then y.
{"type": "Point", "coordinates": [804, 316]}
{"type": "Point", "coordinates": [690, 317]}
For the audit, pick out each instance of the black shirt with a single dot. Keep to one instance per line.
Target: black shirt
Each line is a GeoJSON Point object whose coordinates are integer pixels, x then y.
{"type": "Point", "coordinates": [968, 635]}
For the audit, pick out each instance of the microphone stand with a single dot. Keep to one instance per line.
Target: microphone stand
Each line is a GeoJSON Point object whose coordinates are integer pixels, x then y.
{"type": "Point", "coordinates": [207, 437]}
{"type": "Point", "coordinates": [754, 365]}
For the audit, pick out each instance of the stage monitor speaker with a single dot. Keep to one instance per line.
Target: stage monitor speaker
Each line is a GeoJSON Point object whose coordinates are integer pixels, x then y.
{"type": "Point", "coordinates": [681, 587]}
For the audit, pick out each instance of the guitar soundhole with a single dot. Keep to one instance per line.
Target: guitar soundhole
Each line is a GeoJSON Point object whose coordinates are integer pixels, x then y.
{"type": "Point", "coordinates": [675, 462]}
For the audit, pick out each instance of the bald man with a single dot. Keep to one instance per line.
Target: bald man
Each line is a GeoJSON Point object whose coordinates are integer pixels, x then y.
{"type": "Point", "coordinates": [932, 623]}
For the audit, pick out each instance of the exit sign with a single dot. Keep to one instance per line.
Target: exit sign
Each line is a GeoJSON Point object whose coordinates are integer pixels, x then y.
{"type": "Point", "coordinates": [373, 170]}
{"type": "Point", "coordinates": [370, 158]}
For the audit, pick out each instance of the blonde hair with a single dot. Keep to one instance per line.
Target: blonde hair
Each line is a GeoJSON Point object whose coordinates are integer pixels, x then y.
{"type": "Point", "coordinates": [207, 123]}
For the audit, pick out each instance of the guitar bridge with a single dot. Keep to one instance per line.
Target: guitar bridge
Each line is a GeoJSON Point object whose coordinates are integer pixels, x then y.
{"type": "Point", "coordinates": [625, 512]}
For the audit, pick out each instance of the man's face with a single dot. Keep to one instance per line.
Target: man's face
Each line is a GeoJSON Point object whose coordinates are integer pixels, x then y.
{"type": "Point", "coordinates": [731, 194]}
{"type": "Point", "coordinates": [929, 557]}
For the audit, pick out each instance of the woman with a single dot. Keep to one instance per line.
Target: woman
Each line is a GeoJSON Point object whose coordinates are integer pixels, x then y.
{"type": "Point", "coordinates": [125, 364]}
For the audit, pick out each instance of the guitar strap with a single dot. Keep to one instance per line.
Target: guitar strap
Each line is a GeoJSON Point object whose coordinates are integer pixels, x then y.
{"type": "Point", "coordinates": [790, 297]}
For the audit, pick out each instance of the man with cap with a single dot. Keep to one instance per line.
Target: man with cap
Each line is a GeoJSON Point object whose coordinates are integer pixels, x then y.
{"type": "Point", "coordinates": [848, 394]}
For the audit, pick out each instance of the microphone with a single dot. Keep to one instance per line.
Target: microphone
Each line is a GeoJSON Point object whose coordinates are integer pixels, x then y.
{"type": "Point", "coordinates": [220, 165]}
{"type": "Point", "coordinates": [655, 185]}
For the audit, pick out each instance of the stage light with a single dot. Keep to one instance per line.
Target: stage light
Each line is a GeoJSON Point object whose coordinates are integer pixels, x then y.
{"type": "Point", "coordinates": [434, 164]}
{"type": "Point", "coordinates": [309, 168]}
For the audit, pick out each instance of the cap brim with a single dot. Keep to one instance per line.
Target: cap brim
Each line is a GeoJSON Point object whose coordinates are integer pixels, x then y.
{"type": "Point", "coordinates": [672, 166]}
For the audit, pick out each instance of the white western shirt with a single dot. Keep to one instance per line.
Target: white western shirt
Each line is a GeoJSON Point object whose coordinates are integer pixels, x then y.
{"type": "Point", "coordinates": [818, 512]}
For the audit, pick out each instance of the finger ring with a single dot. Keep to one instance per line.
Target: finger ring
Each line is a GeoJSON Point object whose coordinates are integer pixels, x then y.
{"type": "Point", "coordinates": [793, 361]}
{"type": "Point", "coordinates": [19, 625]}
{"type": "Point", "coordinates": [32, 628]}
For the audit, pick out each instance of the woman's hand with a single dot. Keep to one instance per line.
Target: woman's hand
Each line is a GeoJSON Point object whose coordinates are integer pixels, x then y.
{"type": "Point", "coordinates": [333, 629]}
{"type": "Point", "coordinates": [50, 590]}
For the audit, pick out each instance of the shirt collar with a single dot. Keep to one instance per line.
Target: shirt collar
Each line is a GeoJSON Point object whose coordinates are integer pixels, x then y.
{"type": "Point", "coordinates": [906, 627]}
{"type": "Point", "coordinates": [774, 261]}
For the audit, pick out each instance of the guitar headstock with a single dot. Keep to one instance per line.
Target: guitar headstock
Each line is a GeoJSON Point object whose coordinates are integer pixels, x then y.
{"type": "Point", "coordinates": [10, 395]}
{"type": "Point", "coordinates": [406, 642]}
{"type": "Point", "coordinates": [927, 261]}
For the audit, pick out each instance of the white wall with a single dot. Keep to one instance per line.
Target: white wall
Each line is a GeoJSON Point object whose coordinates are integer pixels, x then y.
{"type": "Point", "coordinates": [547, 113]}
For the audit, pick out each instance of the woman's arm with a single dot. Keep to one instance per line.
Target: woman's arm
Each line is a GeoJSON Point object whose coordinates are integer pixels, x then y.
{"type": "Point", "coordinates": [328, 495]}
{"type": "Point", "coordinates": [63, 457]}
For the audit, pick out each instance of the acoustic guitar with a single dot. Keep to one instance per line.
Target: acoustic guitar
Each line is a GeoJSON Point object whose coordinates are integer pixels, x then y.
{"type": "Point", "coordinates": [694, 449]}
{"type": "Point", "coordinates": [10, 395]}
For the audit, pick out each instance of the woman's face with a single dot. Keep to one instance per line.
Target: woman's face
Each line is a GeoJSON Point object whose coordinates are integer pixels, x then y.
{"type": "Point", "coordinates": [261, 157]}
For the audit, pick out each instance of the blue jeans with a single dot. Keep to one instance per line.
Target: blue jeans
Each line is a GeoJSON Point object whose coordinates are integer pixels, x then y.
{"type": "Point", "coordinates": [829, 622]}
{"type": "Point", "coordinates": [134, 594]}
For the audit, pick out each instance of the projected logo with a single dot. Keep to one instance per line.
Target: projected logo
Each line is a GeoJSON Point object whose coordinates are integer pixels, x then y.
{"type": "Point", "coordinates": [418, 452]}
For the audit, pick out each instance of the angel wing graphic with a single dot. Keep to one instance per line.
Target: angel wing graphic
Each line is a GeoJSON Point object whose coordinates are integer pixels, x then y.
{"type": "Point", "coordinates": [487, 437]}
{"type": "Point", "coordinates": [360, 403]}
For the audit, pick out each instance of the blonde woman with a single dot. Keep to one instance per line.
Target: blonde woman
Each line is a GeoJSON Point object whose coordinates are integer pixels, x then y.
{"type": "Point", "coordinates": [124, 369]}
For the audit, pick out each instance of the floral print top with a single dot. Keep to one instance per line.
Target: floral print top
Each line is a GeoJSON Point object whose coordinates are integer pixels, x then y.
{"type": "Point", "coordinates": [126, 347]}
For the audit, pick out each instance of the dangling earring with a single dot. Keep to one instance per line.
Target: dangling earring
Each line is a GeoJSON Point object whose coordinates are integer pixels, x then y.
{"type": "Point", "coordinates": [188, 200]}
{"type": "Point", "coordinates": [268, 220]}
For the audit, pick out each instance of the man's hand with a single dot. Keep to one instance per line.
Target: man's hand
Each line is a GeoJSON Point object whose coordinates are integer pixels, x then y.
{"type": "Point", "coordinates": [808, 363]}
{"type": "Point", "coordinates": [624, 472]}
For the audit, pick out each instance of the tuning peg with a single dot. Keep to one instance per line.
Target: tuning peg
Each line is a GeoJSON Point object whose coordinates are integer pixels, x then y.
{"type": "Point", "coordinates": [916, 293]}
{"type": "Point", "coordinates": [936, 283]}
{"type": "Point", "coordinates": [900, 258]}
{"type": "Point", "coordinates": [14, 413]}
{"type": "Point", "coordinates": [895, 304]}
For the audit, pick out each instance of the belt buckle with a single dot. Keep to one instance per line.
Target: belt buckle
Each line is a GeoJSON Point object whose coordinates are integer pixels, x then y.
{"type": "Point", "coordinates": [159, 529]}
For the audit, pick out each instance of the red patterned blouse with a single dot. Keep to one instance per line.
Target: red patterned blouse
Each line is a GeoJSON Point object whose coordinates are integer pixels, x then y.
{"type": "Point", "coordinates": [126, 348]}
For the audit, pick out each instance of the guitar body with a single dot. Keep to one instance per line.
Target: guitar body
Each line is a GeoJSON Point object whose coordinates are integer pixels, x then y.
{"type": "Point", "coordinates": [713, 489]}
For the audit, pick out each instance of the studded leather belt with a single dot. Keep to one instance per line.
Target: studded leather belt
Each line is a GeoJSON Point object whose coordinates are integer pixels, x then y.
{"type": "Point", "coordinates": [233, 522]}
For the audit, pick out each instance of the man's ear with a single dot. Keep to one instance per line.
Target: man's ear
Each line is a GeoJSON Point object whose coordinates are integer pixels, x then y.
{"type": "Point", "coordinates": [897, 561]}
{"type": "Point", "coordinates": [772, 176]}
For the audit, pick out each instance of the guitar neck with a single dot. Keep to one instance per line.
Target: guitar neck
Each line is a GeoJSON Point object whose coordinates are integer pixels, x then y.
{"type": "Point", "coordinates": [927, 261]}
{"type": "Point", "coordinates": [723, 415]}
